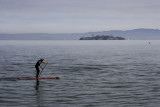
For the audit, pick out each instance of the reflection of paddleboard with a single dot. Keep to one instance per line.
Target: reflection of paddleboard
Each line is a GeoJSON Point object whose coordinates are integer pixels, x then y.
{"type": "Point", "coordinates": [38, 78]}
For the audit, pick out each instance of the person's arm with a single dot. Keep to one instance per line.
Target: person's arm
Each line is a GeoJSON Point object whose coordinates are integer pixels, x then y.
{"type": "Point", "coordinates": [40, 66]}
{"type": "Point", "coordinates": [45, 62]}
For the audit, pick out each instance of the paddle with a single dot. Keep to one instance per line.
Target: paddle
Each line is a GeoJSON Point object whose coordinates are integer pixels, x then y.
{"type": "Point", "coordinates": [42, 70]}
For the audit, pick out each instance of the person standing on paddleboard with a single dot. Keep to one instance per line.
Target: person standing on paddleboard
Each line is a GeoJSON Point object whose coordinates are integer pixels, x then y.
{"type": "Point", "coordinates": [38, 64]}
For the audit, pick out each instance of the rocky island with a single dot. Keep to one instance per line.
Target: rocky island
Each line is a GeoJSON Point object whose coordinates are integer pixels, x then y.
{"type": "Point", "coordinates": [102, 37]}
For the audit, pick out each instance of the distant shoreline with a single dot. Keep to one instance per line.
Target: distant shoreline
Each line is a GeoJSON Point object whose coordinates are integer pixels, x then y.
{"type": "Point", "coordinates": [136, 34]}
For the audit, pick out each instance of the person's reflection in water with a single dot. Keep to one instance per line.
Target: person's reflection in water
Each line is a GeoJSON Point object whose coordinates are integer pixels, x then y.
{"type": "Point", "coordinates": [38, 94]}
{"type": "Point", "coordinates": [37, 84]}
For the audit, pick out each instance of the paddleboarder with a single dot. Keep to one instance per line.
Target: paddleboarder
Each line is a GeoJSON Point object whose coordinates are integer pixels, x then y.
{"type": "Point", "coordinates": [38, 64]}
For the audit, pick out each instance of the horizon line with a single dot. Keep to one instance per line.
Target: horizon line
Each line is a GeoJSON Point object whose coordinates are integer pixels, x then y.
{"type": "Point", "coordinates": [87, 32]}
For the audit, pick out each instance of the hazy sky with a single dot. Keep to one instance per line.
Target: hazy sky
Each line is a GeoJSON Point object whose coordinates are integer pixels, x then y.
{"type": "Point", "coordinates": [76, 16]}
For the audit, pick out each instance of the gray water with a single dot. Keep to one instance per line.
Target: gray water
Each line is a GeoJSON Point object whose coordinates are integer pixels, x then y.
{"type": "Point", "coordinates": [92, 74]}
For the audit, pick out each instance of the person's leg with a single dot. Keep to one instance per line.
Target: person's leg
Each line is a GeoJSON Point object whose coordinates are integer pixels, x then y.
{"type": "Point", "coordinates": [37, 72]}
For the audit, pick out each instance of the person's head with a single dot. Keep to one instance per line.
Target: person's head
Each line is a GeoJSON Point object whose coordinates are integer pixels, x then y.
{"type": "Point", "coordinates": [41, 59]}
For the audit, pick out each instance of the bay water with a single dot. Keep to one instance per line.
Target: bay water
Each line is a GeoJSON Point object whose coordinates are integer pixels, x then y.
{"type": "Point", "coordinates": [92, 73]}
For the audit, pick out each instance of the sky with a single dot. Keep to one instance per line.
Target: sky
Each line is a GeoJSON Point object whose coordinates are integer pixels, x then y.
{"type": "Point", "coordinates": [77, 16]}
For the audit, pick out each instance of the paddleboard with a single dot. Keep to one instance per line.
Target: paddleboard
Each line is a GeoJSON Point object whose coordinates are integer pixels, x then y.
{"type": "Point", "coordinates": [38, 78]}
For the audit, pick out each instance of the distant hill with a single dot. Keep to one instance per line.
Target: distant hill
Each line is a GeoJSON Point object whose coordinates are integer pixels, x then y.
{"type": "Point", "coordinates": [37, 36]}
{"type": "Point", "coordinates": [136, 34]}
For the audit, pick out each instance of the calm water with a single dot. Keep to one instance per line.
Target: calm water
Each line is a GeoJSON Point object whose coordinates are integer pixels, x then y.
{"type": "Point", "coordinates": [93, 74]}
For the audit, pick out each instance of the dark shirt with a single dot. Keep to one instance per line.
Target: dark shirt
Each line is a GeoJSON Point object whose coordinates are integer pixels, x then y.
{"type": "Point", "coordinates": [38, 63]}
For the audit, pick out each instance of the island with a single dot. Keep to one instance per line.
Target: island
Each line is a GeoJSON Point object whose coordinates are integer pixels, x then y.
{"type": "Point", "coordinates": [102, 37]}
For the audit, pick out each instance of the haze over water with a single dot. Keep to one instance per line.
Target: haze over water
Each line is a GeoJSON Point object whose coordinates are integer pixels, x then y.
{"type": "Point", "coordinates": [92, 73]}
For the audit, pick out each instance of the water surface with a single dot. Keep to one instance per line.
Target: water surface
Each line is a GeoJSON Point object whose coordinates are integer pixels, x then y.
{"type": "Point", "coordinates": [93, 73]}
